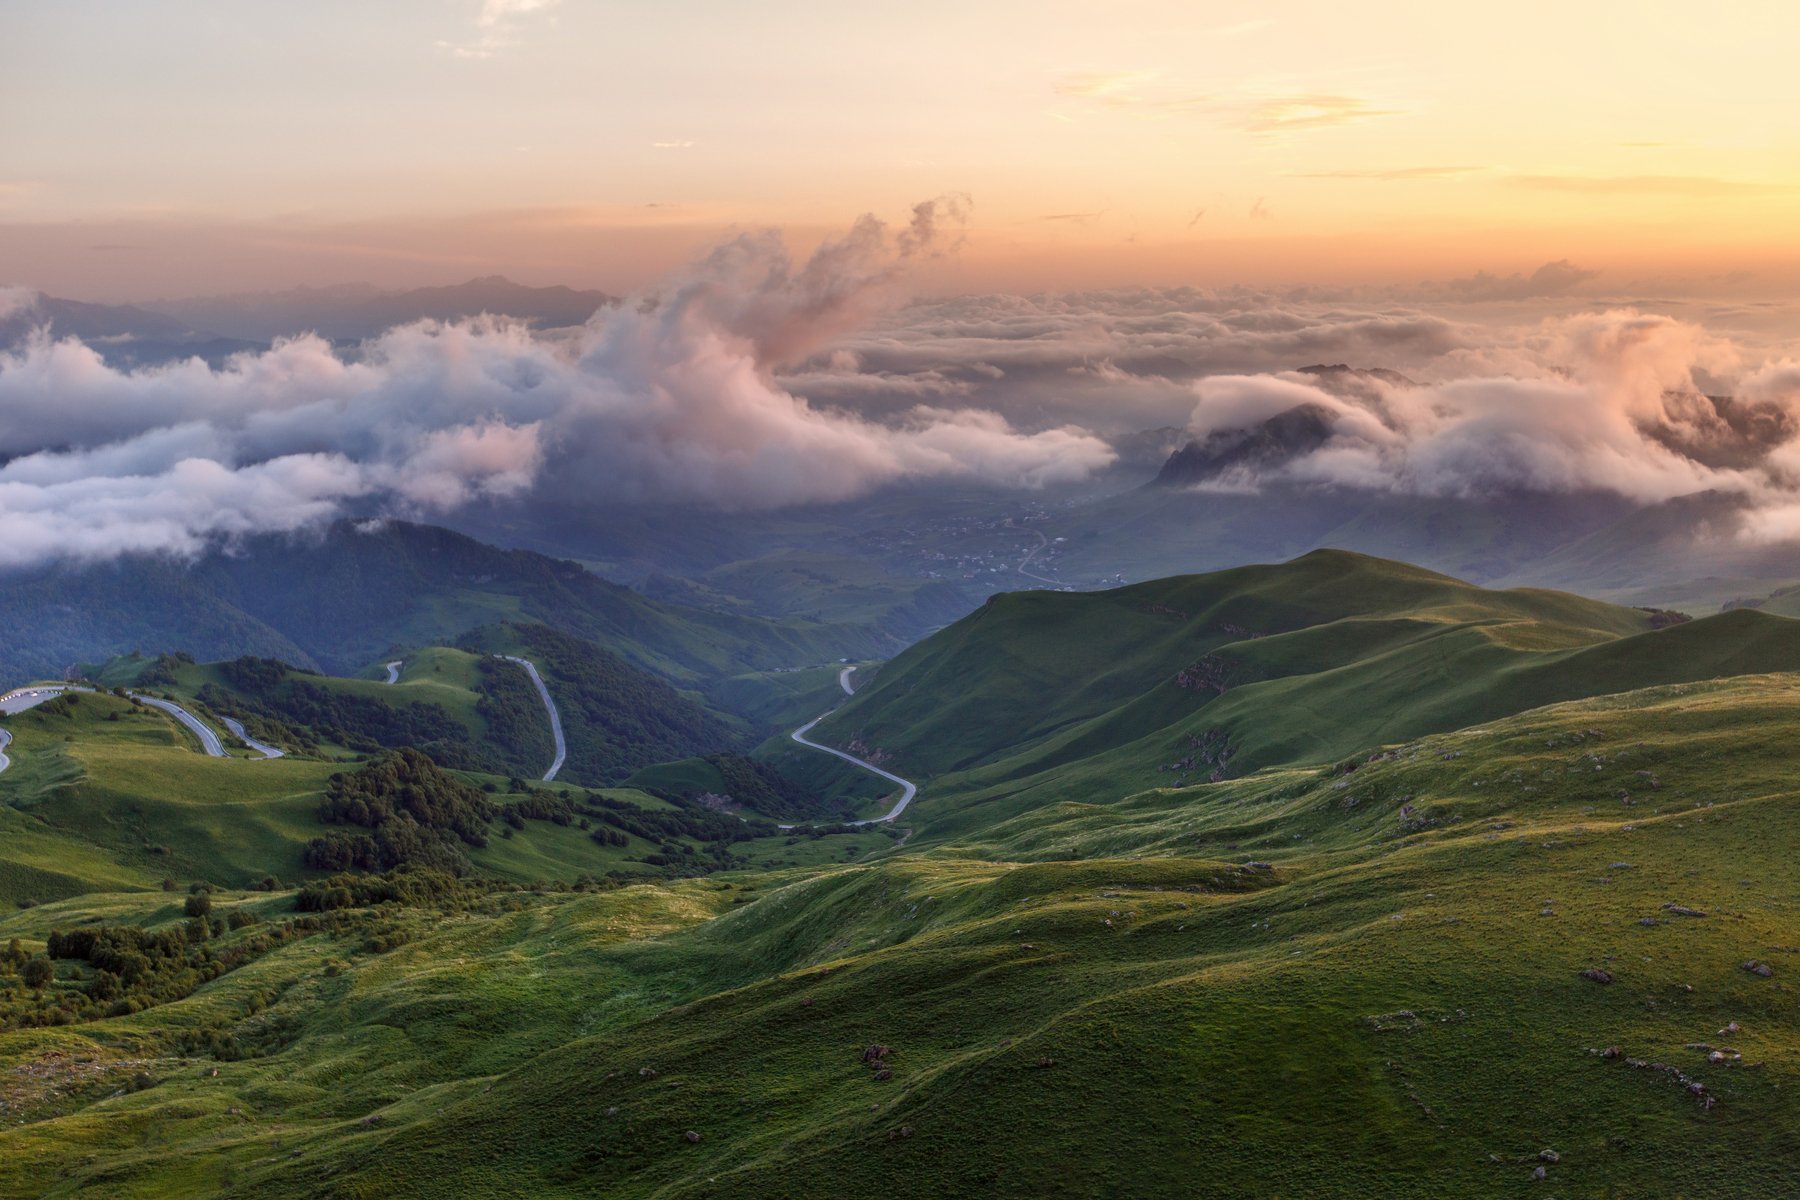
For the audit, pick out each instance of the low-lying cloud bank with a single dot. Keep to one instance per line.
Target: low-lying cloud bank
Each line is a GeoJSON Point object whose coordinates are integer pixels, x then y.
{"type": "Point", "coordinates": [751, 381]}
{"type": "Point", "coordinates": [672, 397]}
{"type": "Point", "coordinates": [1617, 407]}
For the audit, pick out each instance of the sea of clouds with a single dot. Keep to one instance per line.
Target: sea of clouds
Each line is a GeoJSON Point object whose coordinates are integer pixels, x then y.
{"type": "Point", "coordinates": [751, 380]}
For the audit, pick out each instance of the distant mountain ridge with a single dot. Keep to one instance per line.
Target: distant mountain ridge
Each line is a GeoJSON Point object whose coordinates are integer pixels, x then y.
{"type": "Point", "coordinates": [126, 335]}
{"type": "Point", "coordinates": [340, 599]}
{"type": "Point", "coordinates": [358, 311]}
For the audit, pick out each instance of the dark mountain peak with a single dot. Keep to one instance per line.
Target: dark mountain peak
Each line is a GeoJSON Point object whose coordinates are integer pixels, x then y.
{"type": "Point", "coordinates": [1337, 372]}
{"type": "Point", "coordinates": [1279, 439]}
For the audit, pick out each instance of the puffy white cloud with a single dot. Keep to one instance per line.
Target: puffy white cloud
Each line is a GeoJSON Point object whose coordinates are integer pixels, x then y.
{"type": "Point", "coordinates": [670, 397]}
{"type": "Point", "coordinates": [1613, 407]}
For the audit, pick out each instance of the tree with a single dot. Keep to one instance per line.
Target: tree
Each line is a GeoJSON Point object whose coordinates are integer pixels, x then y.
{"type": "Point", "coordinates": [38, 973]}
{"type": "Point", "coordinates": [198, 905]}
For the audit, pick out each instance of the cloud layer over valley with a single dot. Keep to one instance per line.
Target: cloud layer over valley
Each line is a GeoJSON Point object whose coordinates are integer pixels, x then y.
{"type": "Point", "coordinates": [671, 397]}
{"type": "Point", "coordinates": [751, 381]}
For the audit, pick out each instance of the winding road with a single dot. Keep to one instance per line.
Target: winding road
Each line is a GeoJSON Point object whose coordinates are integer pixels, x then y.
{"type": "Point", "coordinates": [20, 699]}
{"type": "Point", "coordinates": [237, 731]}
{"type": "Point", "coordinates": [393, 670]}
{"type": "Point", "coordinates": [1043, 544]}
{"type": "Point", "coordinates": [908, 789]}
{"type": "Point", "coordinates": [209, 741]}
{"type": "Point", "coordinates": [556, 729]}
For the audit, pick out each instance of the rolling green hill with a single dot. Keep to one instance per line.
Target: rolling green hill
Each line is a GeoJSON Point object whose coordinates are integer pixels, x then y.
{"type": "Point", "coordinates": [107, 795]}
{"type": "Point", "coordinates": [1043, 695]}
{"type": "Point", "coordinates": [361, 590]}
{"type": "Point", "coordinates": [1432, 972]}
{"type": "Point", "coordinates": [617, 717]}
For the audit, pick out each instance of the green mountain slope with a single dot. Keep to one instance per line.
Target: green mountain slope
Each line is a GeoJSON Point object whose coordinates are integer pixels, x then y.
{"type": "Point", "coordinates": [1331, 982]}
{"type": "Point", "coordinates": [1066, 676]}
{"type": "Point", "coordinates": [617, 717]}
{"type": "Point", "coordinates": [106, 795]}
{"type": "Point", "coordinates": [357, 591]}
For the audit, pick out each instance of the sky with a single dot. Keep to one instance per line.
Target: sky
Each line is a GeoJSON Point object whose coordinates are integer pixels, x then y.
{"type": "Point", "coordinates": [175, 147]}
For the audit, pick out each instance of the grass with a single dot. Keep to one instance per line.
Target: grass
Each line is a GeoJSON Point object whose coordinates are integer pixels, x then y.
{"type": "Point", "coordinates": [1350, 972]}
{"type": "Point", "coordinates": [1043, 696]}
{"type": "Point", "coordinates": [1384, 1009]}
{"type": "Point", "coordinates": [93, 804]}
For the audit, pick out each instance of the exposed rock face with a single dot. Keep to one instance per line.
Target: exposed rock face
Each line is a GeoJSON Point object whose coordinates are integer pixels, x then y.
{"type": "Point", "coordinates": [1289, 435]}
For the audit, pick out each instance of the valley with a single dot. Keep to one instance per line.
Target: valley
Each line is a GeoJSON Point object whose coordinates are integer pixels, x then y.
{"type": "Point", "coordinates": [1340, 852]}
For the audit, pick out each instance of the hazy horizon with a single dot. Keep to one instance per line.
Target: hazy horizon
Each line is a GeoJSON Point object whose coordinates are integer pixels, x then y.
{"type": "Point", "coordinates": [176, 148]}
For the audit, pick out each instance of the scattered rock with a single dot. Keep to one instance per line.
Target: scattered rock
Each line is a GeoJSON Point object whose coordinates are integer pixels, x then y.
{"type": "Point", "coordinates": [876, 1053]}
{"type": "Point", "coordinates": [1539, 1174]}
{"type": "Point", "coordinates": [1682, 910]}
{"type": "Point", "coordinates": [1549, 1156]}
{"type": "Point", "coordinates": [883, 1075]}
{"type": "Point", "coordinates": [1612, 1052]}
{"type": "Point", "coordinates": [1758, 967]}
{"type": "Point", "coordinates": [1597, 975]}
{"type": "Point", "coordinates": [806, 1002]}
{"type": "Point", "coordinates": [613, 1111]}
{"type": "Point", "coordinates": [372, 1120]}
{"type": "Point", "coordinates": [691, 1136]}
{"type": "Point", "coordinates": [1046, 1062]}
{"type": "Point", "coordinates": [1648, 921]}
{"type": "Point", "coordinates": [647, 1072]}
{"type": "Point", "coordinates": [1732, 1027]}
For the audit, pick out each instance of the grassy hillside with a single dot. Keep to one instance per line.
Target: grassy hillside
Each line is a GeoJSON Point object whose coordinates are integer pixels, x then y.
{"type": "Point", "coordinates": [105, 795]}
{"type": "Point", "coordinates": [617, 718]}
{"type": "Point", "coordinates": [357, 592]}
{"type": "Point", "coordinates": [1346, 981]}
{"type": "Point", "coordinates": [1033, 666]}
{"type": "Point", "coordinates": [440, 706]}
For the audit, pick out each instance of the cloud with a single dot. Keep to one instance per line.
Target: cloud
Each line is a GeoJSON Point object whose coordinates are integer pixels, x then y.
{"type": "Point", "coordinates": [496, 25]}
{"type": "Point", "coordinates": [1142, 92]}
{"type": "Point", "coordinates": [1618, 412]}
{"type": "Point", "coordinates": [672, 397]}
{"type": "Point", "coordinates": [499, 12]}
{"type": "Point", "coordinates": [1552, 279]}
{"type": "Point", "coordinates": [14, 300]}
{"type": "Point", "coordinates": [1643, 185]}
{"type": "Point", "coordinates": [682, 145]}
{"type": "Point", "coordinates": [1392, 174]}
{"type": "Point", "coordinates": [1148, 94]}
{"type": "Point", "coordinates": [1315, 110]}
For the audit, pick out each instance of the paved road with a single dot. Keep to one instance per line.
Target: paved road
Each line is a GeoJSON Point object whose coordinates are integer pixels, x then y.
{"type": "Point", "coordinates": [393, 670]}
{"type": "Point", "coordinates": [556, 729]}
{"type": "Point", "coordinates": [908, 789]}
{"type": "Point", "coordinates": [1043, 542]}
{"type": "Point", "coordinates": [20, 699]}
{"type": "Point", "coordinates": [209, 741]}
{"type": "Point", "coordinates": [237, 731]}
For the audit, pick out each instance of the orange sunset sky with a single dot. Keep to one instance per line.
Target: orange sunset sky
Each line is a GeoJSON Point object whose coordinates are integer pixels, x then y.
{"type": "Point", "coordinates": [177, 146]}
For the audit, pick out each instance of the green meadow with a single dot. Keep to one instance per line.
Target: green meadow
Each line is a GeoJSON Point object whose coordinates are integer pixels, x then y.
{"type": "Point", "coordinates": [1529, 932]}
